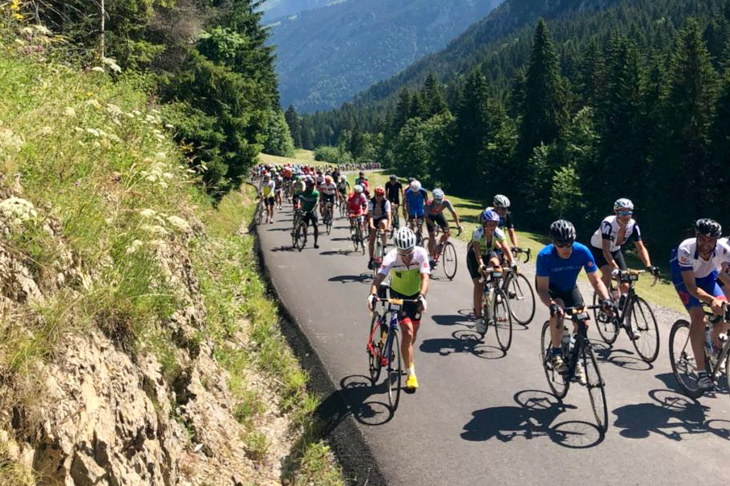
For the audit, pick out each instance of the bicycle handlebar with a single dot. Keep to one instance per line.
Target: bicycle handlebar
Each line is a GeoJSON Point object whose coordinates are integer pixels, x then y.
{"type": "Point", "coordinates": [726, 311]}
{"type": "Point", "coordinates": [625, 276]}
{"type": "Point", "coordinates": [516, 250]}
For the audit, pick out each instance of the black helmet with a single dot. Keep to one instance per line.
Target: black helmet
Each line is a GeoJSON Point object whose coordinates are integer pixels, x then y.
{"type": "Point", "coordinates": [562, 231]}
{"type": "Point", "coordinates": [708, 227]}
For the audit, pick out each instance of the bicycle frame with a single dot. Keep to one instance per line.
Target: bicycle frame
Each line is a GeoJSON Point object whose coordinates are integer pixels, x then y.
{"type": "Point", "coordinates": [392, 328]}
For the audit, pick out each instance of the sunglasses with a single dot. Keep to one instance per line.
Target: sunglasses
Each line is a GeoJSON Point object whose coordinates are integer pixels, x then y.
{"type": "Point", "coordinates": [564, 244]}
{"type": "Point", "coordinates": [405, 252]}
{"type": "Point", "coordinates": [625, 213]}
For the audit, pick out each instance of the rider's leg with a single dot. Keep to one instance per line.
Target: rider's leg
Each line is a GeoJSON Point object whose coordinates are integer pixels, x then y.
{"type": "Point", "coordinates": [697, 336]}
{"type": "Point", "coordinates": [384, 236]}
{"type": "Point", "coordinates": [431, 240]}
{"type": "Point", "coordinates": [371, 244]}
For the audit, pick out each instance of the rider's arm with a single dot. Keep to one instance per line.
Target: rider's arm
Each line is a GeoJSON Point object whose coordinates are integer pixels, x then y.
{"type": "Point", "coordinates": [476, 248]}
{"type": "Point", "coordinates": [607, 253]}
{"type": "Point", "coordinates": [688, 276]}
{"type": "Point", "coordinates": [643, 252]}
{"type": "Point", "coordinates": [425, 279]}
{"type": "Point", "coordinates": [513, 237]}
{"type": "Point", "coordinates": [507, 251]}
{"type": "Point", "coordinates": [389, 212]}
{"type": "Point", "coordinates": [453, 213]}
{"type": "Point", "coordinates": [543, 286]}
{"type": "Point", "coordinates": [598, 285]}
{"type": "Point", "coordinates": [378, 280]}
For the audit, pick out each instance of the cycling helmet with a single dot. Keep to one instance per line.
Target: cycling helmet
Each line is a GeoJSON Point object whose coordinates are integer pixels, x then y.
{"type": "Point", "coordinates": [379, 191]}
{"type": "Point", "coordinates": [309, 180]}
{"type": "Point", "coordinates": [392, 177]}
{"type": "Point", "coordinates": [415, 185]}
{"type": "Point", "coordinates": [708, 227]}
{"type": "Point", "coordinates": [298, 177]}
{"type": "Point", "coordinates": [438, 194]}
{"type": "Point", "coordinates": [267, 175]}
{"type": "Point", "coordinates": [328, 179]}
{"type": "Point", "coordinates": [358, 189]}
{"type": "Point", "coordinates": [501, 201]}
{"type": "Point", "coordinates": [405, 239]}
{"type": "Point", "coordinates": [343, 178]}
{"type": "Point", "coordinates": [562, 231]}
{"type": "Point", "coordinates": [489, 214]}
{"type": "Point", "coordinates": [623, 203]}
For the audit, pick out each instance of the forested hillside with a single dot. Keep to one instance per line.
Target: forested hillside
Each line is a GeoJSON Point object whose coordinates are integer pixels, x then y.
{"type": "Point", "coordinates": [274, 9]}
{"type": "Point", "coordinates": [327, 55]}
{"type": "Point", "coordinates": [566, 116]}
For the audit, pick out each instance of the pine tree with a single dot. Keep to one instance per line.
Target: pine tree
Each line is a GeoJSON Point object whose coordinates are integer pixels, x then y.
{"type": "Point", "coordinates": [433, 98]}
{"type": "Point", "coordinates": [402, 111]}
{"type": "Point", "coordinates": [294, 126]}
{"type": "Point", "coordinates": [592, 74]}
{"type": "Point", "coordinates": [543, 114]}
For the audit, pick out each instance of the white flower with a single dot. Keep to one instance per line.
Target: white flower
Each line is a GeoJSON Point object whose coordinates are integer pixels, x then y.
{"type": "Point", "coordinates": [9, 141]}
{"type": "Point", "coordinates": [93, 103]}
{"type": "Point", "coordinates": [111, 64]}
{"type": "Point", "coordinates": [69, 112]}
{"type": "Point", "coordinates": [151, 178]}
{"type": "Point", "coordinates": [114, 110]}
{"type": "Point", "coordinates": [136, 244]}
{"type": "Point", "coordinates": [154, 230]}
{"type": "Point", "coordinates": [45, 131]}
{"type": "Point", "coordinates": [92, 131]}
{"type": "Point", "coordinates": [167, 175]}
{"type": "Point", "coordinates": [162, 184]}
{"type": "Point", "coordinates": [148, 213]}
{"type": "Point", "coordinates": [98, 69]}
{"type": "Point", "coordinates": [179, 223]}
{"type": "Point", "coordinates": [169, 126]}
{"type": "Point", "coordinates": [17, 210]}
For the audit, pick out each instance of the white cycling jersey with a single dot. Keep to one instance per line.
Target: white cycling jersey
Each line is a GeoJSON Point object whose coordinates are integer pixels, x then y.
{"type": "Point", "coordinates": [609, 231]}
{"type": "Point", "coordinates": [406, 279]}
{"type": "Point", "coordinates": [689, 258]}
{"type": "Point", "coordinates": [328, 189]}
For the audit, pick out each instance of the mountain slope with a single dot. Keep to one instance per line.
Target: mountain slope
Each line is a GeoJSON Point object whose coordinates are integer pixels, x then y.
{"type": "Point", "coordinates": [327, 55]}
{"type": "Point", "coordinates": [274, 9]}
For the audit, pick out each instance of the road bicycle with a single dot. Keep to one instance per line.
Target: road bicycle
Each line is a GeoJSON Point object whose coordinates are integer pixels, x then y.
{"type": "Point", "coordinates": [383, 348]}
{"type": "Point", "coordinates": [327, 217]}
{"type": "Point", "coordinates": [634, 316]}
{"type": "Point", "coordinates": [416, 225]}
{"type": "Point", "coordinates": [495, 308]}
{"type": "Point", "coordinates": [356, 233]}
{"type": "Point", "coordinates": [445, 253]}
{"type": "Point", "coordinates": [576, 348]}
{"type": "Point", "coordinates": [259, 212]}
{"type": "Point", "coordinates": [396, 219]}
{"type": "Point", "coordinates": [378, 252]}
{"type": "Point", "coordinates": [683, 359]}
{"type": "Point", "coordinates": [342, 204]}
{"type": "Point", "coordinates": [299, 230]}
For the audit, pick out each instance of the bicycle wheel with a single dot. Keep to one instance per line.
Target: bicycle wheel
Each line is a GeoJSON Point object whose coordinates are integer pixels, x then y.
{"type": "Point", "coordinates": [521, 299]}
{"type": "Point", "coordinates": [363, 239]}
{"type": "Point", "coordinates": [596, 387]}
{"type": "Point", "coordinates": [682, 359]}
{"type": "Point", "coordinates": [343, 209]}
{"type": "Point", "coordinates": [328, 222]}
{"type": "Point", "coordinates": [608, 328]}
{"type": "Point", "coordinates": [301, 236]}
{"type": "Point", "coordinates": [644, 328]}
{"type": "Point", "coordinates": [355, 235]}
{"type": "Point", "coordinates": [259, 217]}
{"type": "Point", "coordinates": [557, 382]}
{"type": "Point", "coordinates": [448, 260]}
{"type": "Point", "coordinates": [395, 372]}
{"type": "Point", "coordinates": [502, 319]}
{"type": "Point", "coordinates": [374, 363]}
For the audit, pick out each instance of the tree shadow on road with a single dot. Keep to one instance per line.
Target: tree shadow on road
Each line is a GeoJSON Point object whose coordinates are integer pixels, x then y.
{"type": "Point", "coordinates": [534, 417]}
{"type": "Point", "coordinates": [355, 397]}
{"type": "Point", "coordinates": [670, 415]}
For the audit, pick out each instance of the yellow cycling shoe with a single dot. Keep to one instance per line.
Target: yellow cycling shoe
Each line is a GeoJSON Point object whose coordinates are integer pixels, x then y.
{"type": "Point", "coordinates": [411, 383]}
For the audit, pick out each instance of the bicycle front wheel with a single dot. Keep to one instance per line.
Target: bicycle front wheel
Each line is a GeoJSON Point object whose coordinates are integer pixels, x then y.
{"type": "Point", "coordinates": [502, 319]}
{"type": "Point", "coordinates": [607, 327]}
{"type": "Point", "coordinates": [376, 342]}
{"type": "Point", "coordinates": [395, 372]}
{"type": "Point", "coordinates": [682, 359]}
{"type": "Point", "coordinates": [596, 387]}
{"type": "Point", "coordinates": [644, 330]}
{"type": "Point", "coordinates": [300, 237]}
{"type": "Point", "coordinates": [558, 382]}
{"type": "Point", "coordinates": [328, 224]}
{"type": "Point", "coordinates": [448, 260]}
{"type": "Point", "coordinates": [521, 299]}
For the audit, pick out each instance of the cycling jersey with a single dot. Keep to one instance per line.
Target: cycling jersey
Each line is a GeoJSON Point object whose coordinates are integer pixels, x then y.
{"type": "Point", "coordinates": [416, 201]}
{"type": "Point", "coordinates": [609, 231]}
{"type": "Point", "coordinates": [406, 280]}
{"type": "Point", "coordinates": [328, 189]}
{"type": "Point", "coordinates": [504, 221]}
{"type": "Point", "coordinates": [381, 211]}
{"type": "Point", "coordinates": [392, 191]}
{"type": "Point", "coordinates": [355, 203]}
{"type": "Point", "coordinates": [687, 257]}
{"type": "Point", "coordinates": [309, 200]}
{"type": "Point", "coordinates": [267, 188]}
{"type": "Point", "coordinates": [563, 272]}
{"type": "Point", "coordinates": [279, 183]}
{"type": "Point", "coordinates": [485, 246]}
{"type": "Point", "coordinates": [433, 208]}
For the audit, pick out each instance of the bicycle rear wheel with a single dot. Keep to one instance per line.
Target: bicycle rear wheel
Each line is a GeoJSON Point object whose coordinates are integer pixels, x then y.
{"type": "Point", "coordinates": [448, 260]}
{"type": "Point", "coordinates": [558, 382]}
{"type": "Point", "coordinates": [374, 363]}
{"type": "Point", "coordinates": [502, 319]}
{"type": "Point", "coordinates": [682, 359]}
{"type": "Point", "coordinates": [607, 327]}
{"type": "Point", "coordinates": [300, 236]}
{"type": "Point", "coordinates": [259, 217]}
{"type": "Point", "coordinates": [521, 299]}
{"type": "Point", "coordinates": [328, 222]}
{"type": "Point", "coordinates": [644, 328]}
{"type": "Point", "coordinates": [355, 235]}
{"type": "Point", "coordinates": [596, 387]}
{"type": "Point", "coordinates": [395, 372]}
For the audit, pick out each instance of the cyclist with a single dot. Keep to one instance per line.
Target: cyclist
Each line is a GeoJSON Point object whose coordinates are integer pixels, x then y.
{"type": "Point", "coordinates": [501, 204]}
{"type": "Point", "coordinates": [379, 216]}
{"type": "Point", "coordinates": [328, 190]}
{"type": "Point", "coordinates": [394, 192]}
{"type": "Point", "coordinates": [486, 240]}
{"type": "Point", "coordinates": [343, 186]}
{"type": "Point", "coordinates": [608, 239]}
{"type": "Point", "coordinates": [557, 268]}
{"type": "Point", "coordinates": [297, 189]}
{"type": "Point", "coordinates": [309, 199]}
{"type": "Point", "coordinates": [695, 265]}
{"type": "Point", "coordinates": [434, 211]}
{"type": "Point", "coordinates": [279, 181]}
{"type": "Point", "coordinates": [414, 200]}
{"type": "Point", "coordinates": [356, 203]}
{"type": "Point", "coordinates": [267, 188]}
{"type": "Point", "coordinates": [409, 265]}
{"type": "Point", "coordinates": [363, 181]}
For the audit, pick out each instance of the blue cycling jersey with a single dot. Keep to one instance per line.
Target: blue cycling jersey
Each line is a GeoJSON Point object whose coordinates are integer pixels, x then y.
{"type": "Point", "coordinates": [563, 272]}
{"type": "Point", "coordinates": [416, 201]}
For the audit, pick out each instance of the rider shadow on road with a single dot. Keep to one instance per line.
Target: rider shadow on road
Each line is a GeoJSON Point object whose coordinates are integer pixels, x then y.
{"type": "Point", "coordinates": [284, 248]}
{"type": "Point", "coordinates": [669, 414]}
{"type": "Point", "coordinates": [450, 320]}
{"type": "Point", "coordinates": [533, 418]}
{"type": "Point", "coordinates": [362, 278]}
{"type": "Point", "coordinates": [622, 358]}
{"type": "Point", "coordinates": [462, 341]}
{"type": "Point", "coordinates": [355, 397]}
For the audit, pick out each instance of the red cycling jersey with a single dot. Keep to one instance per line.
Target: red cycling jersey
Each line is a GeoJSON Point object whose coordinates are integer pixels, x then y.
{"type": "Point", "coordinates": [355, 204]}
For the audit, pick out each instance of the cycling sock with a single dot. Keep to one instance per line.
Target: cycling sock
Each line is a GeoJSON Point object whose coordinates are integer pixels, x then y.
{"type": "Point", "coordinates": [557, 351]}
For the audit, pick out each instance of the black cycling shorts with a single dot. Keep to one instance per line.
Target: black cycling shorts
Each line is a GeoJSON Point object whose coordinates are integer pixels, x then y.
{"type": "Point", "coordinates": [310, 216]}
{"type": "Point", "coordinates": [328, 198]}
{"type": "Point", "coordinates": [570, 298]}
{"type": "Point", "coordinates": [409, 309]}
{"type": "Point", "coordinates": [601, 260]}
{"type": "Point", "coordinates": [473, 265]}
{"type": "Point", "coordinates": [439, 219]}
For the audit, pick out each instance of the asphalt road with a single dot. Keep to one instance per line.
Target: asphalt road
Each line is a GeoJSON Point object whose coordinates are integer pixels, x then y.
{"type": "Point", "coordinates": [480, 417]}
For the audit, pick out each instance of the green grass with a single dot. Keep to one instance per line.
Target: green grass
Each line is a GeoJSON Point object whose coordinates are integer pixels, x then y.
{"type": "Point", "coordinates": [662, 294]}
{"type": "Point", "coordinates": [301, 156]}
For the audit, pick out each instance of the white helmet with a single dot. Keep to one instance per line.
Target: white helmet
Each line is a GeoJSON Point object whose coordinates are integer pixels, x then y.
{"type": "Point", "coordinates": [415, 185]}
{"type": "Point", "coordinates": [438, 194]}
{"type": "Point", "coordinates": [405, 239]}
{"type": "Point", "coordinates": [501, 201]}
{"type": "Point", "coordinates": [623, 203]}
{"type": "Point", "coordinates": [358, 189]}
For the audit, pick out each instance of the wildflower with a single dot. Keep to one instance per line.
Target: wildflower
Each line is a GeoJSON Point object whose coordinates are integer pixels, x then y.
{"type": "Point", "coordinates": [155, 230]}
{"type": "Point", "coordinates": [169, 126]}
{"type": "Point", "coordinates": [92, 131]}
{"type": "Point", "coordinates": [148, 213]}
{"type": "Point", "coordinates": [94, 103]}
{"type": "Point", "coordinates": [17, 210]}
{"type": "Point", "coordinates": [15, 5]}
{"type": "Point", "coordinates": [98, 69]}
{"type": "Point", "coordinates": [113, 110]}
{"type": "Point", "coordinates": [45, 131]}
{"type": "Point", "coordinates": [136, 244]}
{"type": "Point", "coordinates": [69, 112]}
{"type": "Point", "coordinates": [111, 64]}
{"type": "Point", "coordinates": [9, 141]}
{"type": "Point", "coordinates": [18, 16]}
{"type": "Point", "coordinates": [179, 223]}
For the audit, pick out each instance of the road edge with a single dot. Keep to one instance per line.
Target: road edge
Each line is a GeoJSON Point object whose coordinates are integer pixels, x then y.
{"type": "Point", "coordinates": [339, 428]}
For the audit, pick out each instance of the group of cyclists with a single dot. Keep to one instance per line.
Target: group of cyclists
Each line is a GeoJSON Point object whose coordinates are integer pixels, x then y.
{"type": "Point", "coordinates": [699, 265]}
